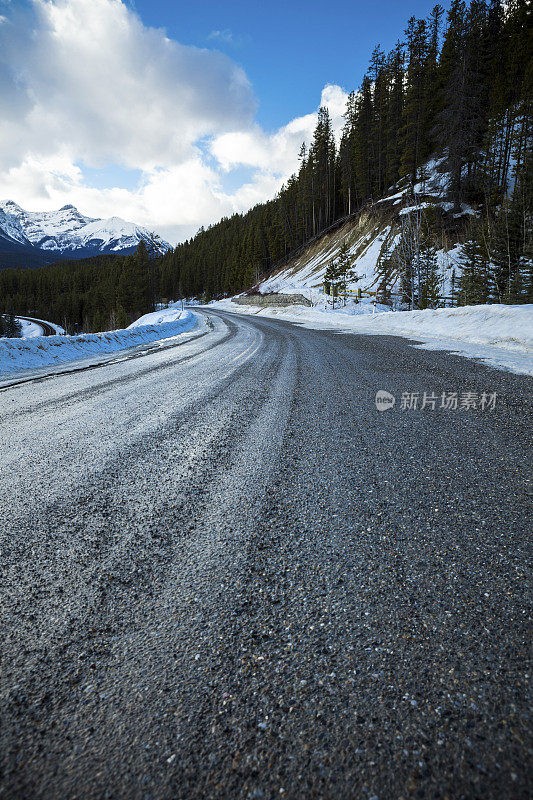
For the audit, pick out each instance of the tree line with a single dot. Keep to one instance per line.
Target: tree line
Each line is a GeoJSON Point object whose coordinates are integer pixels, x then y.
{"type": "Point", "coordinates": [457, 84]}
{"type": "Point", "coordinates": [100, 293]}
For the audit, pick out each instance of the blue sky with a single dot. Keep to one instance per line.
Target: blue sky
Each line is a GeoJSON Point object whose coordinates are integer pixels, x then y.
{"type": "Point", "coordinates": [174, 114]}
{"type": "Point", "coordinates": [290, 50]}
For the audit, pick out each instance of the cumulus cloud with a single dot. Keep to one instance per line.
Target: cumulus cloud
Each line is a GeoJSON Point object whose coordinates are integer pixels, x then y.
{"type": "Point", "coordinates": [84, 82]}
{"type": "Point", "coordinates": [98, 82]}
{"type": "Point", "coordinates": [277, 152]}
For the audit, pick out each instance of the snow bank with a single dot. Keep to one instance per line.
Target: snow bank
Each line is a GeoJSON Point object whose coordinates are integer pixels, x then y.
{"type": "Point", "coordinates": [495, 325]}
{"type": "Point", "coordinates": [158, 317]}
{"type": "Point", "coordinates": [21, 354]}
{"type": "Point", "coordinates": [499, 335]}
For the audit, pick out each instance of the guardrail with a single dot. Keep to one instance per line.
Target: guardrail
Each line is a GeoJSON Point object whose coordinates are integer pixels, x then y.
{"type": "Point", "coordinates": [360, 293]}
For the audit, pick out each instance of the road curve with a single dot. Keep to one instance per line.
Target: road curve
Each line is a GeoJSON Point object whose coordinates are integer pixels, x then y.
{"type": "Point", "coordinates": [225, 574]}
{"type": "Point", "coordinates": [48, 330]}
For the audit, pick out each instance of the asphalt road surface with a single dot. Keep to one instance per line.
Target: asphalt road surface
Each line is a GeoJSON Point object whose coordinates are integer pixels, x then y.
{"type": "Point", "coordinates": [226, 574]}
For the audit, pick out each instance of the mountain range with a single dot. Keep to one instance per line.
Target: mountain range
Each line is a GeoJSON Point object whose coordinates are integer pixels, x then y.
{"type": "Point", "coordinates": [33, 238]}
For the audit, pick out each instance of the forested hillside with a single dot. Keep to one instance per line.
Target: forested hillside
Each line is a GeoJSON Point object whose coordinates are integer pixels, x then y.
{"type": "Point", "coordinates": [458, 84]}
{"type": "Point", "coordinates": [465, 93]}
{"type": "Point", "coordinates": [93, 294]}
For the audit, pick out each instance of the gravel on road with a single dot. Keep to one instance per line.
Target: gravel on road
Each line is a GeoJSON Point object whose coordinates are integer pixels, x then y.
{"type": "Point", "coordinates": [225, 574]}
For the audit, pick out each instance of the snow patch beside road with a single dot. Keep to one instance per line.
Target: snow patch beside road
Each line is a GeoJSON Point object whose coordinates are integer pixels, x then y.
{"type": "Point", "coordinates": [158, 317]}
{"type": "Point", "coordinates": [30, 330]}
{"type": "Point", "coordinates": [17, 355]}
{"type": "Point", "coordinates": [499, 335]}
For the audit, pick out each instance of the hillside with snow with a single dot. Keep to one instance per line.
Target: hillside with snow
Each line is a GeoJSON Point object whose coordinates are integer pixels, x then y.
{"type": "Point", "coordinates": [31, 238]}
{"type": "Point", "coordinates": [372, 235]}
{"type": "Point", "coordinates": [497, 334]}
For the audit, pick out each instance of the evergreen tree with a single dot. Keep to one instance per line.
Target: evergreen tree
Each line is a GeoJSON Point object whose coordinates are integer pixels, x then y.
{"type": "Point", "coordinates": [430, 288]}
{"type": "Point", "coordinates": [323, 157]}
{"type": "Point", "coordinates": [10, 327]}
{"type": "Point", "coordinates": [340, 271]}
{"type": "Point", "coordinates": [512, 251]}
{"type": "Point", "coordinates": [395, 106]}
{"type": "Point", "coordinates": [474, 282]}
{"type": "Point", "coordinates": [332, 279]}
{"type": "Point", "coordinates": [432, 107]}
{"type": "Point", "coordinates": [122, 320]}
{"type": "Point", "coordinates": [364, 147]}
{"type": "Point", "coordinates": [407, 285]}
{"type": "Point", "coordinates": [347, 150]}
{"type": "Point", "coordinates": [463, 118]}
{"type": "Point", "coordinates": [379, 77]}
{"type": "Point", "coordinates": [414, 111]}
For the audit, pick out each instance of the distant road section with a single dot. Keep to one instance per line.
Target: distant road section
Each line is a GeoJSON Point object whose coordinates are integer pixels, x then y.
{"type": "Point", "coordinates": [48, 328]}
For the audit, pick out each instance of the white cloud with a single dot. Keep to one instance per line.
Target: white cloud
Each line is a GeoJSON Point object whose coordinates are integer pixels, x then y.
{"type": "Point", "coordinates": [225, 37]}
{"type": "Point", "coordinates": [84, 81]}
{"type": "Point", "coordinates": [277, 152]}
{"type": "Point", "coordinates": [96, 81]}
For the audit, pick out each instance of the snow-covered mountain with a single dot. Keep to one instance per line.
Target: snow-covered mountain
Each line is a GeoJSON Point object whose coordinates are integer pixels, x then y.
{"type": "Point", "coordinates": [68, 233]}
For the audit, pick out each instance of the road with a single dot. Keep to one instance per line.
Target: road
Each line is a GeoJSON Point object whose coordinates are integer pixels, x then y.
{"type": "Point", "coordinates": [225, 574]}
{"type": "Point", "coordinates": [48, 330]}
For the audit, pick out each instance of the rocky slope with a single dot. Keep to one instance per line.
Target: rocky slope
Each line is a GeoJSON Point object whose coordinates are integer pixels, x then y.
{"type": "Point", "coordinates": [373, 233]}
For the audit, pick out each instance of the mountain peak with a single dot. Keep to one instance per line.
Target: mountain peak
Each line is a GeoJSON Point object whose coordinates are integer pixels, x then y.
{"type": "Point", "coordinates": [10, 204]}
{"type": "Point", "coordinates": [67, 232]}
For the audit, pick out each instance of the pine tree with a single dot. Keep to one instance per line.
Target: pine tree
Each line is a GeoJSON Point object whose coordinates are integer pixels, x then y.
{"type": "Point", "coordinates": [414, 112]}
{"type": "Point", "coordinates": [432, 107]}
{"type": "Point", "coordinates": [347, 150]}
{"type": "Point", "coordinates": [474, 281]}
{"type": "Point", "coordinates": [323, 158]}
{"type": "Point", "coordinates": [430, 289]}
{"type": "Point", "coordinates": [331, 279]}
{"type": "Point", "coordinates": [462, 120]}
{"type": "Point", "coordinates": [364, 146]}
{"type": "Point", "coordinates": [122, 320]}
{"type": "Point", "coordinates": [345, 267]}
{"type": "Point", "coordinates": [379, 77]}
{"type": "Point", "coordinates": [407, 285]}
{"type": "Point", "coordinates": [395, 108]}
{"type": "Point", "coordinates": [11, 327]}
{"type": "Point", "coordinates": [512, 251]}
{"type": "Point", "coordinates": [339, 272]}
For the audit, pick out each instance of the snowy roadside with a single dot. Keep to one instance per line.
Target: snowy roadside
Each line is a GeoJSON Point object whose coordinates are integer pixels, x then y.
{"type": "Point", "coordinates": [23, 355]}
{"type": "Point", "coordinates": [498, 335]}
{"type": "Point", "coordinates": [30, 330]}
{"type": "Point", "coordinates": [162, 317]}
